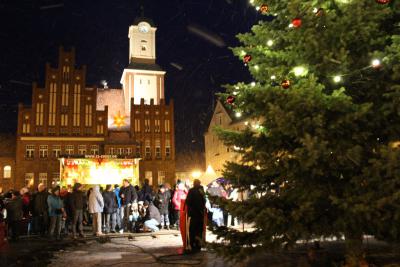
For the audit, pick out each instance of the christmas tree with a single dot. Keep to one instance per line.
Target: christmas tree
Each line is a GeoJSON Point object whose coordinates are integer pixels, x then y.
{"type": "Point", "coordinates": [320, 154]}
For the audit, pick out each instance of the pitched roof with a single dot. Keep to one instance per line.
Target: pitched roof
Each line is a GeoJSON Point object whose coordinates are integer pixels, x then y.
{"type": "Point", "coordinates": [140, 19]}
{"type": "Point", "coordinates": [144, 66]}
{"type": "Point", "coordinates": [231, 112]}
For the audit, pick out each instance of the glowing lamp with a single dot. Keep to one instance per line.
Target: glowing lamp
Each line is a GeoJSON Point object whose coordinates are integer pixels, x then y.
{"type": "Point", "coordinates": [337, 79]}
{"type": "Point", "coordinates": [376, 63]}
{"type": "Point", "coordinates": [300, 71]}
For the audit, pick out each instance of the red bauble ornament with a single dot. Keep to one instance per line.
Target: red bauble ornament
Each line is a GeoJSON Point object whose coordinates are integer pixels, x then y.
{"type": "Point", "coordinates": [264, 9]}
{"type": "Point", "coordinates": [246, 59]}
{"type": "Point", "coordinates": [296, 22]}
{"type": "Point", "coordinates": [230, 99]}
{"type": "Point", "coordinates": [383, 2]}
{"type": "Point", "coordinates": [285, 84]}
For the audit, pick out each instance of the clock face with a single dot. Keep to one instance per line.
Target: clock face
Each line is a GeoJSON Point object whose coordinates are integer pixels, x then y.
{"type": "Point", "coordinates": [143, 28]}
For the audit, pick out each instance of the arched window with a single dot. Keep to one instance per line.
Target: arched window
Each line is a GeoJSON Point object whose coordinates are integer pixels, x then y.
{"type": "Point", "coordinates": [7, 172]}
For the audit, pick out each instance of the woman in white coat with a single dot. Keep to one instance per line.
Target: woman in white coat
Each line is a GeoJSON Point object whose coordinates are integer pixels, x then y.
{"type": "Point", "coordinates": [96, 206]}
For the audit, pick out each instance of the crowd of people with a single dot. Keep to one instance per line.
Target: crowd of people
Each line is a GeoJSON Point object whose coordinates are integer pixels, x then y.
{"type": "Point", "coordinates": [59, 212]}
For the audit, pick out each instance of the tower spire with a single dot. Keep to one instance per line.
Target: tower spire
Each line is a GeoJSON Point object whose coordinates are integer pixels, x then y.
{"type": "Point", "coordinates": [141, 7]}
{"type": "Point", "coordinates": [142, 10]}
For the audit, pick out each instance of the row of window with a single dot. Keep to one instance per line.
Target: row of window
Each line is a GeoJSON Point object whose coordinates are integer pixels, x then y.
{"type": "Point", "coordinates": [43, 178]}
{"type": "Point", "coordinates": [56, 150]}
{"type": "Point", "coordinates": [157, 126]}
{"type": "Point", "coordinates": [26, 128]}
{"type": "Point", "coordinates": [160, 178]}
{"type": "Point", "coordinates": [127, 151]}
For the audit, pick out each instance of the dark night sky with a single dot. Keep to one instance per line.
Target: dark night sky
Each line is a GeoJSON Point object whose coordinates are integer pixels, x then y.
{"type": "Point", "coordinates": [32, 31]}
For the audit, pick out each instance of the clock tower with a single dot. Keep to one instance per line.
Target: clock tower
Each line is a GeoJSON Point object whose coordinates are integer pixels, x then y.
{"type": "Point", "coordinates": [143, 78]}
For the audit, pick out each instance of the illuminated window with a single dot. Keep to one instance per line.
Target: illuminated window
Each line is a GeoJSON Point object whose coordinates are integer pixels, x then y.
{"type": "Point", "coordinates": [167, 148]}
{"type": "Point", "coordinates": [64, 119]}
{"type": "Point", "coordinates": [69, 149]}
{"type": "Point", "coordinates": [30, 151]}
{"type": "Point", "coordinates": [29, 179]}
{"type": "Point", "coordinates": [7, 172]}
{"type": "Point", "coordinates": [147, 149]}
{"type": "Point", "coordinates": [77, 105]}
{"type": "Point", "coordinates": [167, 126]}
{"type": "Point", "coordinates": [137, 125]}
{"type": "Point", "coordinates": [147, 125]}
{"type": "Point", "coordinates": [43, 178]}
{"type": "Point", "coordinates": [94, 150]}
{"type": "Point", "coordinates": [149, 175]}
{"type": "Point", "coordinates": [88, 115]}
{"type": "Point", "coordinates": [82, 149]}
{"type": "Point", "coordinates": [158, 149]}
{"type": "Point", "coordinates": [56, 151]}
{"type": "Point", "coordinates": [128, 151]}
{"type": "Point", "coordinates": [100, 129]}
{"type": "Point", "coordinates": [64, 95]}
{"type": "Point", "coordinates": [161, 177]}
{"type": "Point", "coordinates": [157, 126]}
{"type": "Point", "coordinates": [43, 151]}
{"type": "Point", "coordinates": [52, 104]}
{"type": "Point", "coordinates": [26, 126]}
{"type": "Point", "coordinates": [39, 114]}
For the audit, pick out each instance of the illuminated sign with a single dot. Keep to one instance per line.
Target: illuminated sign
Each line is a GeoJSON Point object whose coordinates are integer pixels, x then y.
{"type": "Point", "coordinates": [98, 170]}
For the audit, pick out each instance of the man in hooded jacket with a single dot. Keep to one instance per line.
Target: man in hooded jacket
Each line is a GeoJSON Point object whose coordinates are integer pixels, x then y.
{"type": "Point", "coordinates": [96, 206]}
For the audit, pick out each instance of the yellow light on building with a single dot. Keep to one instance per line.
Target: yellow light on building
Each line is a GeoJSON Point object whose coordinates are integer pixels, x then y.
{"type": "Point", "coordinates": [196, 174]}
{"type": "Point", "coordinates": [119, 120]}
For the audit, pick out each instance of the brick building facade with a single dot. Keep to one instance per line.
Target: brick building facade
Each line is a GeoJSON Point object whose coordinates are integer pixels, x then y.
{"type": "Point", "coordinates": [67, 118]}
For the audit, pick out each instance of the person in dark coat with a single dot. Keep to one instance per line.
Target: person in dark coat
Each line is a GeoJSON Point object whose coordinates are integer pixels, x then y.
{"type": "Point", "coordinates": [146, 192]}
{"type": "Point", "coordinates": [77, 204]}
{"type": "Point", "coordinates": [162, 201]}
{"type": "Point", "coordinates": [119, 214]}
{"type": "Point", "coordinates": [128, 196]}
{"type": "Point", "coordinates": [14, 214]}
{"type": "Point", "coordinates": [195, 203]}
{"type": "Point", "coordinates": [40, 210]}
{"type": "Point", "coordinates": [152, 217]}
{"type": "Point", "coordinates": [110, 209]}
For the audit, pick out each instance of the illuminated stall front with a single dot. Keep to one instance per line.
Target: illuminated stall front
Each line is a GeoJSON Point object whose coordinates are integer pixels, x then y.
{"type": "Point", "coordinates": [100, 170]}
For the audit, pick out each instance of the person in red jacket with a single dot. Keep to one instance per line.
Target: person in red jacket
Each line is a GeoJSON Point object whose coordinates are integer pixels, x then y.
{"type": "Point", "coordinates": [180, 194]}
